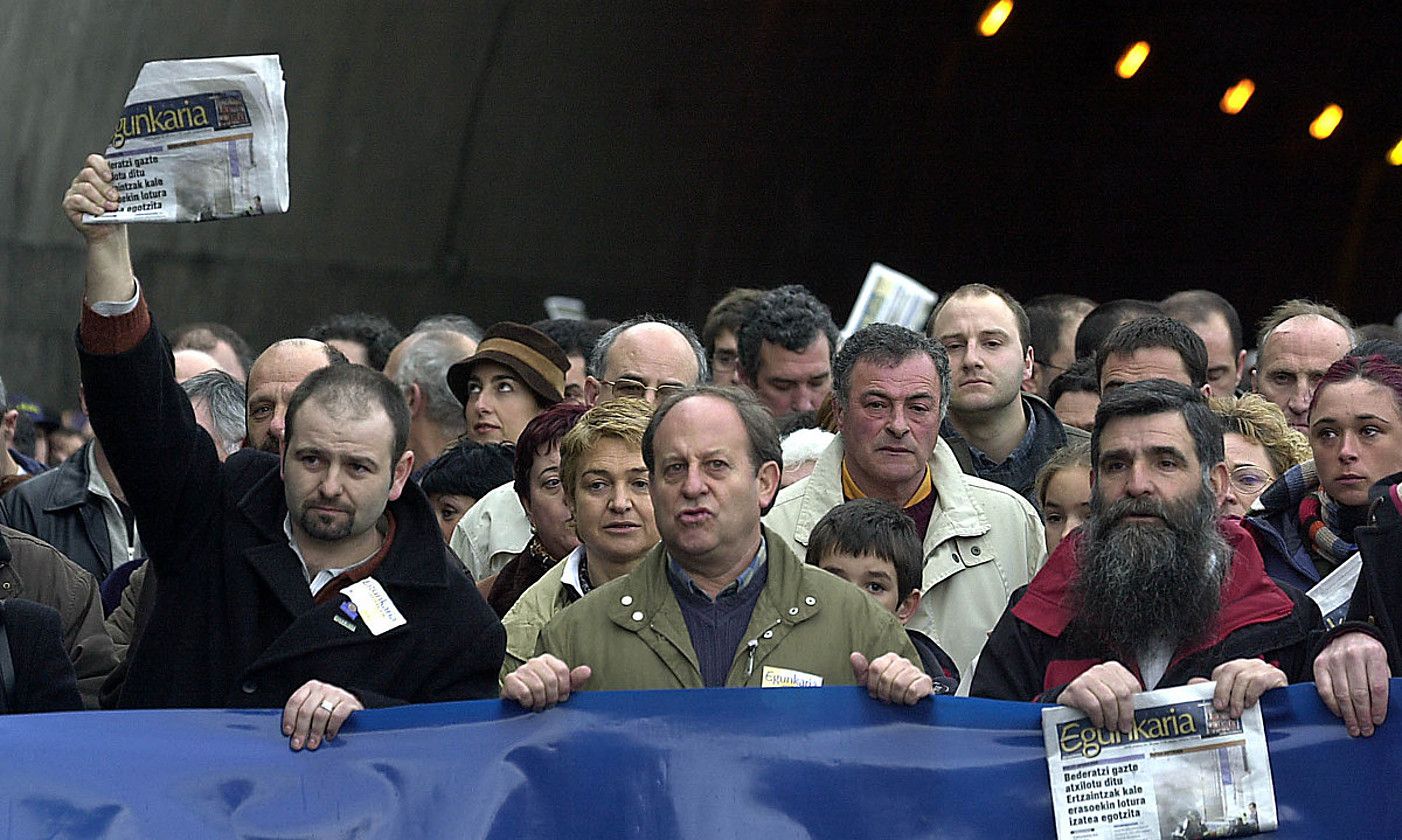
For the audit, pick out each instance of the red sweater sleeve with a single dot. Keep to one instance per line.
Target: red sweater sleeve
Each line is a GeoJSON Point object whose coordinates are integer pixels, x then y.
{"type": "Point", "coordinates": [109, 336]}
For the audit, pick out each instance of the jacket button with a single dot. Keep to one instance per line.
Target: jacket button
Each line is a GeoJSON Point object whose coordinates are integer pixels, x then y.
{"type": "Point", "coordinates": [957, 558]}
{"type": "Point", "coordinates": [793, 610]}
{"type": "Point", "coordinates": [974, 551]}
{"type": "Point", "coordinates": [5, 586]}
{"type": "Point", "coordinates": [638, 616]}
{"type": "Point", "coordinates": [626, 600]}
{"type": "Point", "coordinates": [768, 634]}
{"type": "Point", "coordinates": [249, 687]}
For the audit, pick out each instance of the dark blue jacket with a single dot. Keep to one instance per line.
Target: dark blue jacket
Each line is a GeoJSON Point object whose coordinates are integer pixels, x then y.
{"type": "Point", "coordinates": [1287, 556]}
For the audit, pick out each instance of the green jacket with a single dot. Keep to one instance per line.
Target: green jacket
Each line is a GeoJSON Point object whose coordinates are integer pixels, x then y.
{"type": "Point", "coordinates": [536, 606]}
{"type": "Point", "coordinates": [631, 632]}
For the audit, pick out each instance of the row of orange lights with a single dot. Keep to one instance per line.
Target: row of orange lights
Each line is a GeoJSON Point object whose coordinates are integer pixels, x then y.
{"type": "Point", "coordinates": [1233, 101]}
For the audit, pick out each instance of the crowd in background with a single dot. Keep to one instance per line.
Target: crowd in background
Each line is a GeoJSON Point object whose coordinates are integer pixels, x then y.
{"type": "Point", "coordinates": [1049, 499]}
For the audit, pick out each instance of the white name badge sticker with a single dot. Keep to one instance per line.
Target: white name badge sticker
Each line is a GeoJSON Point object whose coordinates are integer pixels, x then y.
{"type": "Point", "coordinates": [788, 678]}
{"type": "Point", "coordinates": [376, 609]}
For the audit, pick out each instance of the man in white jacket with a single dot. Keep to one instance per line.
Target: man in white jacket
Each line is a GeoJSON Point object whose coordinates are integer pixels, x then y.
{"type": "Point", "coordinates": [982, 540]}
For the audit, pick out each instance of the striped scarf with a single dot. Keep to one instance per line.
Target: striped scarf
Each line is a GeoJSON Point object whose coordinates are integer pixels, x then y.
{"type": "Point", "coordinates": [1319, 517]}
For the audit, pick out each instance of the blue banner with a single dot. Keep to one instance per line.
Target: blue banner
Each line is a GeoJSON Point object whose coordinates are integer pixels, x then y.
{"type": "Point", "coordinates": [771, 764]}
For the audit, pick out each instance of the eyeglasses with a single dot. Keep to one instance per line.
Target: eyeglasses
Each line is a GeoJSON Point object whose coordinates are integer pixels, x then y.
{"type": "Point", "coordinates": [1253, 480]}
{"type": "Point", "coordinates": [639, 391]}
{"type": "Point", "coordinates": [725, 359]}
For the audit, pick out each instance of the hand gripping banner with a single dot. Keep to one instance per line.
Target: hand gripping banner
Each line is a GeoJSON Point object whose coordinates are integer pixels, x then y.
{"type": "Point", "coordinates": [770, 764]}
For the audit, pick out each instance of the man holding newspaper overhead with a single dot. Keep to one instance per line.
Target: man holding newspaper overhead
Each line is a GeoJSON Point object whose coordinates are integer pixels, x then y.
{"type": "Point", "coordinates": [1155, 590]}
{"type": "Point", "coordinates": [317, 582]}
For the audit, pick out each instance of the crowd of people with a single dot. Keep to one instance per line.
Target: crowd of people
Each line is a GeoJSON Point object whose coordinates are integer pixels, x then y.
{"type": "Point", "coordinates": [1052, 500]}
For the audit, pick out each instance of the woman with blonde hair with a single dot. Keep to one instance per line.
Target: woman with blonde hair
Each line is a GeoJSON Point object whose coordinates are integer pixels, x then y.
{"type": "Point", "coordinates": [606, 489]}
{"type": "Point", "coordinates": [1260, 447]}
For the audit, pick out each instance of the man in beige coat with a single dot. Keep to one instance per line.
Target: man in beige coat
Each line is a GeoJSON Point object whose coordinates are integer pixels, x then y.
{"type": "Point", "coordinates": [982, 540]}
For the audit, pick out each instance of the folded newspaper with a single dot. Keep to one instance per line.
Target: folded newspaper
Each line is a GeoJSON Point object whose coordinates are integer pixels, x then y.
{"type": "Point", "coordinates": [890, 297]}
{"type": "Point", "coordinates": [201, 139]}
{"type": "Point", "coordinates": [1184, 771]}
{"type": "Point", "coordinates": [1334, 592]}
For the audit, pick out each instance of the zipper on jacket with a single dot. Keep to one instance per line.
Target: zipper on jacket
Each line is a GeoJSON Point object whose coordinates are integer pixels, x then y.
{"type": "Point", "coordinates": [753, 644]}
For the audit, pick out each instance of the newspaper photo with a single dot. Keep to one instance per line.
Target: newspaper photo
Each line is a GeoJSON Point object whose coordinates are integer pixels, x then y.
{"type": "Point", "coordinates": [1185, 771]}
{"type": "Point", "coordinates": [890, 297]}
{"type": "Point", "coordinates": [201, 139]}
{"type": "Point", "coordinates": [1334, 592]}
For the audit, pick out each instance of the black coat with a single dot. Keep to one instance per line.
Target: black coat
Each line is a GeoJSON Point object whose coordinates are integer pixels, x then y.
{"type": "Point", "coordinates": [1376, 606]}
{"type": "Point", "coordinates": [44, 680]}
{"type": "Point", "coordinates": [234, 623]}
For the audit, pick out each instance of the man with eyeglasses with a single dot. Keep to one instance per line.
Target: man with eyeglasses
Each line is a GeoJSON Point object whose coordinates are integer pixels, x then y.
{"type": "Point", "coordinates": [649, 358]}
{"type": "Point", "coordinates": [1053, 320]}
{"type": "Point", "coordinates": [721, 333]}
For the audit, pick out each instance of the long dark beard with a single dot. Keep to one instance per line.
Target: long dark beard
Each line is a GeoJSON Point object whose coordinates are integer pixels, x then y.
{"type": "Point", "coordinates": [1140, 585]}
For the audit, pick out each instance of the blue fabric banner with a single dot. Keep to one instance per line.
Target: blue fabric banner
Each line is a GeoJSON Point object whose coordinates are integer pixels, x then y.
{"type": "Point", "coordinates": [771, 764]}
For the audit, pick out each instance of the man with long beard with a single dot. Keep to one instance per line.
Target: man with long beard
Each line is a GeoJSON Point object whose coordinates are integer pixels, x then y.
{"type": "Point", "coordinates": [1155, 590]}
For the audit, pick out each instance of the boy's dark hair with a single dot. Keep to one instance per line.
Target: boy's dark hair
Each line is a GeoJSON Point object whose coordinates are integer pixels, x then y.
{"type": "Point", "coordinates": [468, 468]}
{"type": "Point", "coordinates": [875, 527]}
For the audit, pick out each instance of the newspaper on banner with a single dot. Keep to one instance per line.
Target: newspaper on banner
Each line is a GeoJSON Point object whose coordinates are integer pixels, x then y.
{"type": "Point", "coordinates": [1184, 771]}
{"type": "Point", "coordinates": [889, 297]}
{"type": "Point", "coordinates": [201, 139]}
{"type": "Point", "coordinates": [1334, 592]}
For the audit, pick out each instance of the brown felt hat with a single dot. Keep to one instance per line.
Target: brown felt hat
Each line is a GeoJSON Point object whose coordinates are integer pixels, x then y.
{"type": "Point", "coordinates": [526, 351]}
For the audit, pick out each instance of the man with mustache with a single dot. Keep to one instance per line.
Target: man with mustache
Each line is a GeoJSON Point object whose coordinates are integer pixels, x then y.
{"type": "Point", "coordinates": [980, 540]}
{"type": "Point", "coordinates": [1154, 591]}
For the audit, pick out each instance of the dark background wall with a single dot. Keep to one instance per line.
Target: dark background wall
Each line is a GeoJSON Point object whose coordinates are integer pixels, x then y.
{"type": "Point", "coordinates": [477, 157]}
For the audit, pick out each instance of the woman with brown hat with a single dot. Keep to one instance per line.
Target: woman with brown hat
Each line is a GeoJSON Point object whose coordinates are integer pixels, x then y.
{"type": "Point", "coordinates": [516, 373]}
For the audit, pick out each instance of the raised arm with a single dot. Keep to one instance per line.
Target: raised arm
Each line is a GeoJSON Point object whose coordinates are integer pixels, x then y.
{"type": "Point", "coordinates": [164, 462]}
{"type": "Point", "coordinates": [109, 274]}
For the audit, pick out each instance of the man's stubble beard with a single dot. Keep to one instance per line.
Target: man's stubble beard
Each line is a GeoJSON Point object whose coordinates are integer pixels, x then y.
{"type": "Point", "coordinates": [333, 531]}
{"type": "Point", "coordinates": [1144, 585]}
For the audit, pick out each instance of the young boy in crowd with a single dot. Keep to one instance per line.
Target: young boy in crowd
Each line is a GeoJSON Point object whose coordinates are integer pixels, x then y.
{"type": "Point", "coordinates": [872, 544]}
{"type": "Point", "coordinates": [1062, 491]}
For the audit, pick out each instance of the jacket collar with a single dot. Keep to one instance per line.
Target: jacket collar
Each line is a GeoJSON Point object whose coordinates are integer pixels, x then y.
{"type": "Point", "coordinates": [1249, 596]}
{"type": "Point", "coordinates": [956, 512]}
{"type": "Point", "coordinates": [417, 557]}
{"type": "Point", "coordinates": [69, 487]}
{"type": "Point", "coordinates": [647, 590]}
